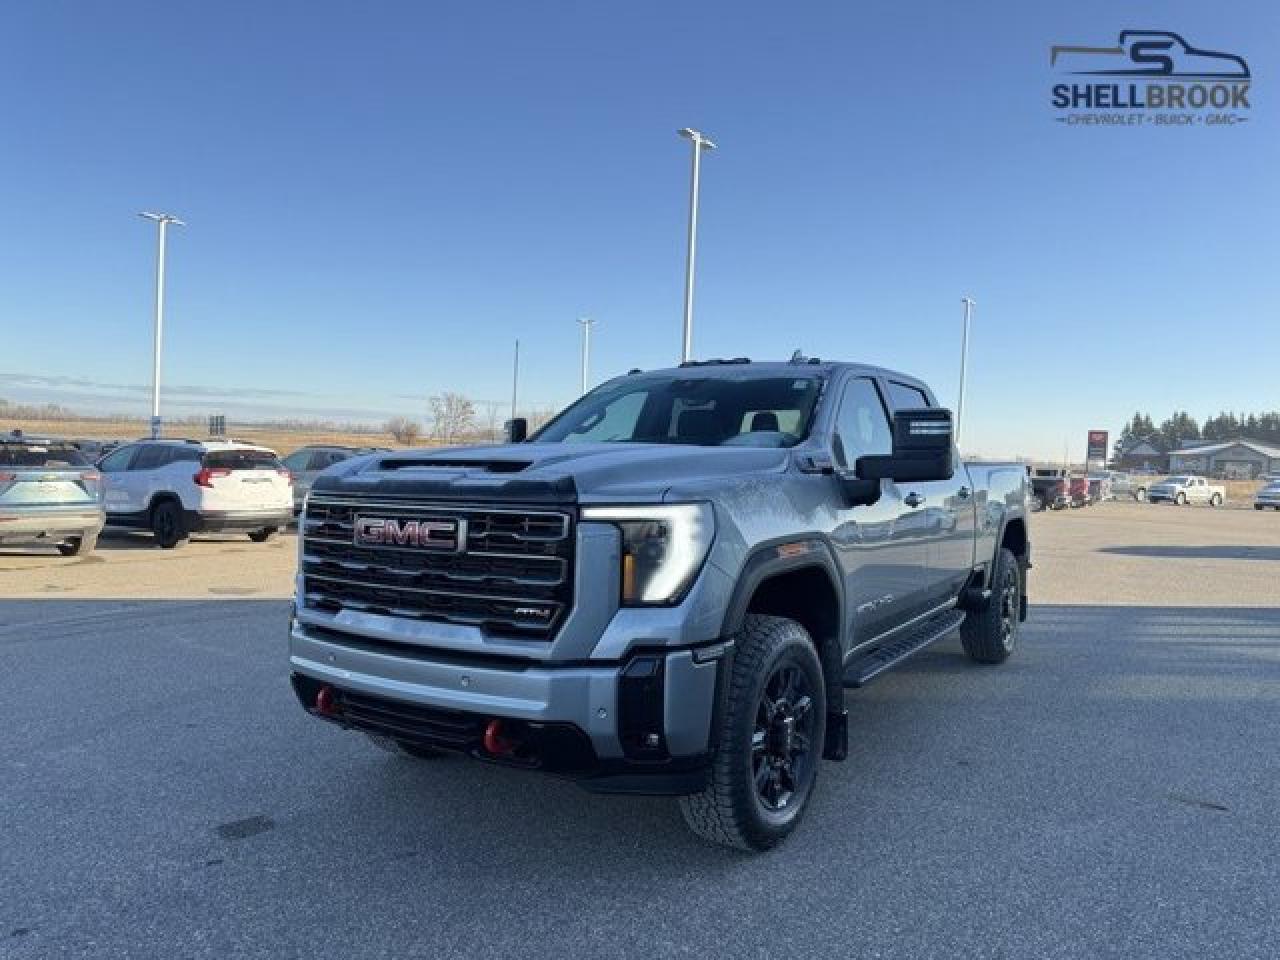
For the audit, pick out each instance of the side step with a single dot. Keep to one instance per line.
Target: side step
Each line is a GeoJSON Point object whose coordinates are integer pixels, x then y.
{"type": "Point", "coordinates": [867, 666]}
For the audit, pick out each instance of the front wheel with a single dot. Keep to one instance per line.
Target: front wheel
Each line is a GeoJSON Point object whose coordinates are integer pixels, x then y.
{"type": "Point", "coordinates": [989, 635]}
{"type": "Point", "coordinates": [1215, 500]}
{"type": "Point", "coordinates": [771, 739]}
{"type": "Point", "coordinates": [261, 536]}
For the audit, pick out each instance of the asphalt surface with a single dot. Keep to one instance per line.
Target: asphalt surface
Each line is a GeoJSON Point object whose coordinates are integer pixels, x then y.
{"type": "Point", "coordinates": [1111, 791]}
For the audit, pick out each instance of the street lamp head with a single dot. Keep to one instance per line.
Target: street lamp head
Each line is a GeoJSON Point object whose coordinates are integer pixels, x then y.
{"type": "Point", "coordinates": [162, 218]}
{"type": "Point", "coordinates": [969, 300]}
{"type": "Point", "coordinates": [701, 139]}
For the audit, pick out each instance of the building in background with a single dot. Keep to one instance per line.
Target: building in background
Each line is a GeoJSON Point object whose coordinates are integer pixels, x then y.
{"type": "Point", "coordinates": [1142, 455]}
{"type": "Point", "coordinates": [1236, 460]}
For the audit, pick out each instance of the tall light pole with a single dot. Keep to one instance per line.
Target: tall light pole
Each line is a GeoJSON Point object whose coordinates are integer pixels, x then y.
{"type": "Point", "coordinates": [700, 142]}
{"type": "Point", "coordinates": [515, 379]}
{"type": "Point", "coordinates": [162, 221]}
{"type": "Point", "coordinates": [964, 366]}
{"type": "Point", "coordinates": [586, 349]}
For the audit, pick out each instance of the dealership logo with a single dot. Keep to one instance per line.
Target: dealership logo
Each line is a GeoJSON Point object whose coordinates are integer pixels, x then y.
{"type": "Point", "coordinates": [443, 535]}
{"type": "Point", "coordinates": [1149, 77]}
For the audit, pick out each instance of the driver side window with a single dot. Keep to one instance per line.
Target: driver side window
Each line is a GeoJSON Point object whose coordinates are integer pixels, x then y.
{"type": "Point", "coordinates": [117, 460]}
{"type": "Point", "coordinates": [862, 426]}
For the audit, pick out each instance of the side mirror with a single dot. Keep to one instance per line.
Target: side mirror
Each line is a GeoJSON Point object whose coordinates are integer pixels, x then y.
{"type": "Point", "coordinates": [922, 449]}
{"type": "Point", "coordinates": [516, 429]}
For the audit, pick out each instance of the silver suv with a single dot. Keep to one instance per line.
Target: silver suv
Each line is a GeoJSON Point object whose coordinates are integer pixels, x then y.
{"type": "Point", "coordinates": [49, 494]}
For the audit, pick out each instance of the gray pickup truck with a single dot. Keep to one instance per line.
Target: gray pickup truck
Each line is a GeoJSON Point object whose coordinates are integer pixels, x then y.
{"type": "Point", "coordinates": [666, 590]}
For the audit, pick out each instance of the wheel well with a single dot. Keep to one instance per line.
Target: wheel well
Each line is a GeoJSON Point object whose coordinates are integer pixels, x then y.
{"type": "Point", "coordinates": [808, 597]}
{"type": "Point", "coordinates": [1015, 538]}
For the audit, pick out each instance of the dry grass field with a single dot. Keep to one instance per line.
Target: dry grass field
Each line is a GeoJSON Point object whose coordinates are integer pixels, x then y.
{"type": "Point", "coordinates": [279, 438]}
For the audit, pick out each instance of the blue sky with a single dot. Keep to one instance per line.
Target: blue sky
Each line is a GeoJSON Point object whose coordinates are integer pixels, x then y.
{"type": "Point", "coordinates": [382, 196]}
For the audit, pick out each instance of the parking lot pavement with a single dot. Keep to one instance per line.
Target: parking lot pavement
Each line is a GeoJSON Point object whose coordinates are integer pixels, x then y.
{"type": "Point", "coordinates": [1109, 792]}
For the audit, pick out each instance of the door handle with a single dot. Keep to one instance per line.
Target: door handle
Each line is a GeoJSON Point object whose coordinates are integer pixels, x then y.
{"type": "Point", "coordinates": [913, 500]}
{"type": "Point", "coordinates": [963, 493]}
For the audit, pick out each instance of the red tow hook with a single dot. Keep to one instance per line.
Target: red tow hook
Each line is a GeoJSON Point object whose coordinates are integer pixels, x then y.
{"type": "Point", "coordinates": [495, 743]}
{"type": "Point", "coordinates": [326, 702]}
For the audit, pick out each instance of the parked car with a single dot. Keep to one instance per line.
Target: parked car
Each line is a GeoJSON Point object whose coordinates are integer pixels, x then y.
{"type": "Point", "coordinates": [1049, 489]}
{"type": "Point", "coordinates": [49, 494]}
{"type": "Point", "coordinates": [1186, 489]}
{"type": "Point", "coordinates": [178, 487]}
{"type": "Point", "coordinates": [1129, 485]}
{"type": "Point", "coordinates": [665, 590]}
{"type": "Point", "coordinates": [305, 465]}
{"type": "Point", "coordinates": [1268, 496]}
{"type": "Point", "coordinates": [1099, 488]}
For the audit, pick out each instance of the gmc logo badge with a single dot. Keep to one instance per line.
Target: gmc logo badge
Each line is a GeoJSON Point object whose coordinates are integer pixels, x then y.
{"type": "Point", "coordinates": [446, 535]}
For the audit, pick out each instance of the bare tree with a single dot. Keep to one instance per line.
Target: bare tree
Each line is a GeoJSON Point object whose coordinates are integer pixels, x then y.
{"type": "Point", "coordinates": [405, 431]}
{"type": "Point", "coordinates": [452, 415]}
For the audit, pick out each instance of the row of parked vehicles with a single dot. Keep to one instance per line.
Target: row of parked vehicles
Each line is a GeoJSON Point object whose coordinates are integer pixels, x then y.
{"type": "Point", "coordinates": [1057, 489]}
{"type": "Point", "coordinates": [53, 492]}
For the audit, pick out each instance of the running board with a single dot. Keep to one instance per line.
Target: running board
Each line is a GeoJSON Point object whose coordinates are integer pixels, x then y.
{"type": "Point", "coordinates": [867, 666]}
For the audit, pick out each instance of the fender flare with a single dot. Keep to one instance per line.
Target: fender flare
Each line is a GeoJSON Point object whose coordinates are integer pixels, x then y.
{"type": "Point", "coordinates": [783, 555]}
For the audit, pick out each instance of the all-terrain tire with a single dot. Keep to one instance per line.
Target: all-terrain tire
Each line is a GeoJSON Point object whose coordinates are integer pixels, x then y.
{"type": "Point", "coordinates": [78, 546]}
{"type": "Point", "coordinates": [732, 810]}
{"type": "Point", "coordinates": [990, 634]}
{"type": "Point", "coordinates": [167, 524]}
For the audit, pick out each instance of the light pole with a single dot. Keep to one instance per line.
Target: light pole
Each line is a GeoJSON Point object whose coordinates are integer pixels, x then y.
{"type": "Point", "coordinates": [586, 349]}
{"type": "Point", "coordinates": [700, 142]}
{"type": "Point", "coordinates": [162, 221]}
{"type": "Point", "coordinates": [515, 379]}
{"type": "Point", "coordinates": [964, 366]}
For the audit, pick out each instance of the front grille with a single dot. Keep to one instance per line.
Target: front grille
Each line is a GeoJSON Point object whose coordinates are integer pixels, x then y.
{"type": "Point", "coordinates": [514, 576]}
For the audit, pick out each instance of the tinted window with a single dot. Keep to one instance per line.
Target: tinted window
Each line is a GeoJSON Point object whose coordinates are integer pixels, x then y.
{"type": "Point", "coordinates": [861, 423]}
{"type": "Point", "coordinates": [151, 456]}
{"type": "Point", "coordinates": [903, 397]}
{"type": "Point", "coordinates": [242, 460]}
{"type": "Point", "coordinates": [327, 458]}
{"type": "Point", "coordinates": [702, 411]}
{"type": "Point", "coordinates": [41, 455]}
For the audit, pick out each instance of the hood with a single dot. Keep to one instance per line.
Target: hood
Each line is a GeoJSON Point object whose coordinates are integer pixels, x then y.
{"type": "Point", "coordinates": [545, 472]}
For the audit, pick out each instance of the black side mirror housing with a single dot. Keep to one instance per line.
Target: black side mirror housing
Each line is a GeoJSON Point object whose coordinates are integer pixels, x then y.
{"type": "Point", "coordinates": [923, 442]}
{"type": "Point", "coordinates": [516, 429]}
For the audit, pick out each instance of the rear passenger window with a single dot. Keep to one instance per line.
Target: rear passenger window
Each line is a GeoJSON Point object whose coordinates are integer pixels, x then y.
{"type": "Point", "coordinates": [904, 397]}
{"type": "Point", "coordinates": [150, 457]}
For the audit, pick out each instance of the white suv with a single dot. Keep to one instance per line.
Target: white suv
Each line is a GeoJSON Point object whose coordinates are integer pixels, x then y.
{"type": "Point", "coordinates": [178, 487]}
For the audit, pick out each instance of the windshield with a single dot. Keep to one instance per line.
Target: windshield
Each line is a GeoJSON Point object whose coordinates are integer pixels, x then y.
{"type": "Point", "coordinates": [1178, 480]}
{"type": "Point", "coordinates": [750, 411]}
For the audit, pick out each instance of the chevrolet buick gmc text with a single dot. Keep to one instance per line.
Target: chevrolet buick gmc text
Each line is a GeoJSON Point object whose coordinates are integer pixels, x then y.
{"type": "Point", "coordinates": [666, 590]}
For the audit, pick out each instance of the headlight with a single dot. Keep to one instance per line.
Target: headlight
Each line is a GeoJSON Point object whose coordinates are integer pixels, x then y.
{"type": "Point", "coordinates": [663, 547]}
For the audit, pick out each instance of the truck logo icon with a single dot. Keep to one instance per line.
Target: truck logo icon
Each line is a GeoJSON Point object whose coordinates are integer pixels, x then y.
{"type": "Point", "coordinates": [1150, 54]}
{"type": "Point", "coordinates": [447, 535]}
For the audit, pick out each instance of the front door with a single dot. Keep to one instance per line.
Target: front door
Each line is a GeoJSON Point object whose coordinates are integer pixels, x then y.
{"type": "Point", "coordinates": [948, 512]}
{"type": "Point", "coordinates": [881, 547]}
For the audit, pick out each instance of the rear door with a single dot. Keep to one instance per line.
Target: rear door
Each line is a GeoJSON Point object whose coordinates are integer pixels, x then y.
{"type": "Point", "coordinates": [946, 512]}
{"type": "Point", "coordinates": [244, 479]}
{"type": "Point", "coordinates": [54, 475]}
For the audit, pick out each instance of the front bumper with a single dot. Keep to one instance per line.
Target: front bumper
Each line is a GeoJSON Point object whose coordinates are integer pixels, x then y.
{"type": "Point", "coordinates": [216, 521]}
{"type": "Point", "coordinates": [46, 524]}
{"type": "Point", "coordinates": [643, 725]}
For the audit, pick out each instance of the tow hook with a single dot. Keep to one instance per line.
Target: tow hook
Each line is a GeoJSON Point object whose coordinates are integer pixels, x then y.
{"type": "Point", "coordinates": [495, 743]}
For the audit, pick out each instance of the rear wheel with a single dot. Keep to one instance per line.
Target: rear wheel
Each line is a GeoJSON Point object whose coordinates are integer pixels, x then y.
{"type": "Point", "coordinates": [78, 546]}
{"type": "Point", "coordinates": [261, 536]}
{"type": "Point", "coordinates": [167, 525]}
{"type": "Point", "coordinates": [990, 634]}
{"type": "Point", "coordinates": [771, 739]}
{"type": "Point", "coordinates": [1215, 500]}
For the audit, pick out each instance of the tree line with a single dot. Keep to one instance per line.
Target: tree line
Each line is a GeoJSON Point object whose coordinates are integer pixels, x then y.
{"type": "Point", "coordinates": [1181, 430]}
